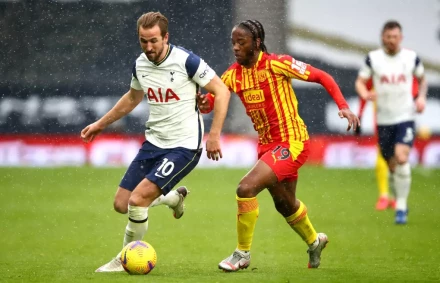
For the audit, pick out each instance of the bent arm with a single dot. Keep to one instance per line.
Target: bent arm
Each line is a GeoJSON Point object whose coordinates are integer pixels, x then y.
{"type": "Point", "coordinates": [361, 88]}
{"type": "Point", "coordinates": [220, 96]}
{"type": "Point", "coordinates": [124, 106]}
{"type": "Point", "coordinates": [327, 81]}
{"type": "Point", "coordinates": [423, 87]}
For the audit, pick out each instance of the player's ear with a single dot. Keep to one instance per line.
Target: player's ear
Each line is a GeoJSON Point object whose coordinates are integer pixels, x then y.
{"type": "Point", "coordinates": [165, 38]}
{"type": "Point", "coordinates": [257, 44]}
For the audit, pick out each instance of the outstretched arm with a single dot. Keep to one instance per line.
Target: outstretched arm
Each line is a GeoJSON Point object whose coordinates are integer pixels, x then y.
{"type": "Point", "coordinates": [124, 106]}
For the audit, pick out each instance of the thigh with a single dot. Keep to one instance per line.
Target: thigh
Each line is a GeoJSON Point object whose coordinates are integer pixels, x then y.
{"type": "Point", "coordinates": [285, 159]}
{"type": "Point", "coordinates": [172, 167]}
{"type": "Point", "coordinates": [148, 157]}
{"type": "Point", "coordinates": [404, 141]}
{"type": "Point", "coordinates": [405, 133]}
{"type": "Point", "coordinates": [387, 140]}
{"type": "Point", "coordinates": [261, 176]}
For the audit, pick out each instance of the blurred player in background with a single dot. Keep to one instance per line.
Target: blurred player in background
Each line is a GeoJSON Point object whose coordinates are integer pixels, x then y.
{"type": "Point", "coordinates": [263, 83]}
{"type": "Point", "coordinates": [392, 69]}
{"type": "Point", "coordinates": [385, 200]}
{"type": "Point", "coordinates": [169, 77]}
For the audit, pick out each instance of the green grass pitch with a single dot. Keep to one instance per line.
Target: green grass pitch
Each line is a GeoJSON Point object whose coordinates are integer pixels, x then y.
{"type": "Point", "coordinates": [58, 225]}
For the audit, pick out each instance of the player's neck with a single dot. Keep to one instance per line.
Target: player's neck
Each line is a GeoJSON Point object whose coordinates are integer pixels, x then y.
{"type": "Point", "coordinates": [393, 52]}
{"type": "Point", "coordinates": [164, 53]}
{"type": "Point", "coordinates": [252, 62]}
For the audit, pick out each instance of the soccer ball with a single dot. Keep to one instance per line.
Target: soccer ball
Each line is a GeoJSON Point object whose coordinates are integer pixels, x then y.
{"type": "Point", "coordinates": [138, 257]}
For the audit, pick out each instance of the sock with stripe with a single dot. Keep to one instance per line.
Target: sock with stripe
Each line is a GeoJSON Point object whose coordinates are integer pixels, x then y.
{"type": "Point", "coordinates": [137, 224]}
{"type": "Point", "coordinates": [300, 223]}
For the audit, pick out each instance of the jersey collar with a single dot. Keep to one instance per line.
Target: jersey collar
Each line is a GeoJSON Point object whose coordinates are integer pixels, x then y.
{"type": "Point", "coordinates": [170, 46]}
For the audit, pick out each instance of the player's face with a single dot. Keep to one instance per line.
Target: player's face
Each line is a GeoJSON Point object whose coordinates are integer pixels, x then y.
{"type": "Point", "coordinates": [243, 46]}
{"type": "Point", "coordinates": [391, 39]}
{"type": "Point", "coordinates": [152, 43]}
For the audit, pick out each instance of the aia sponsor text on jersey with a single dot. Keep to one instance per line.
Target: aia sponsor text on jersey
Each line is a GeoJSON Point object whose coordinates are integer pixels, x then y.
{"type": "Point", "coordinates": [393, 79]}
{"type": "Point", "coordinates": [162, 95]}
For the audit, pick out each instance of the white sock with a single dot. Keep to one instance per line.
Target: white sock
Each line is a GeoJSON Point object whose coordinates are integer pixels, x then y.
{"type": "Point", "coordinates": [137, 224]}
{"type": "Point", "coordinates": [402, 183]}
{"type": "Point", "coordinates": [171, 199]}
{"type": "Point", "coordinates": [391, 184]}
{"type": "Point", "coordinates": [313, 245]}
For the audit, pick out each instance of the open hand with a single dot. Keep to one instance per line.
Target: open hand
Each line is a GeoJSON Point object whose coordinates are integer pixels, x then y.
{"type": "Point", "coordinates": [213, 149]}
{"type": "Point", "coordinates": [353, 120]}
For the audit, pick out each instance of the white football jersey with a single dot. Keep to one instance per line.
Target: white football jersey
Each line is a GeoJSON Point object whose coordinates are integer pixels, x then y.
{"type": "Point", "coordinates": [393, 82]}
{"type": "Point", "coordinates": [171, 87]}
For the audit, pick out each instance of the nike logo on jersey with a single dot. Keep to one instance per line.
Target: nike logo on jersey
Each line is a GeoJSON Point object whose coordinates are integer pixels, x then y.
{"type": "Point", "coordinates": [144, 76]}
{"type": "Point", "coordinates": [157, 175]}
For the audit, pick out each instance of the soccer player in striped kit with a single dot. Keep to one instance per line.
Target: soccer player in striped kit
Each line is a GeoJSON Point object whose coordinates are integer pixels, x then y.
{"type": "Point", "coordinates": [263, 83]}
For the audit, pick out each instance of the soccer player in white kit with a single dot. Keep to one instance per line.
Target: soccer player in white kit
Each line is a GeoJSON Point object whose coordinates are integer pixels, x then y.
{"type": "Point", "coordinates": [392, 69]}
{"type": "Point", "coordinates": [169, 76]}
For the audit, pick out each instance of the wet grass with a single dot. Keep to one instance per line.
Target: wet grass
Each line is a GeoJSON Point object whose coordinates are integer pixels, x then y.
{"type": "Point", "coordinates": [58, 225]}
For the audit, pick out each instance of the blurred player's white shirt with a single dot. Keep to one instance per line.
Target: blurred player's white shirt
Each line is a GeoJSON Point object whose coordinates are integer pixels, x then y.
{"type": "Point", "coordinates": [393, 82]}
{"type": "Point", "coordinates": [171, 87]}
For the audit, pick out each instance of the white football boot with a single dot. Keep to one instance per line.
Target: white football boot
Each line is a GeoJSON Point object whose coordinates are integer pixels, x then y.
{"type": "Point", "coordinates": [315, 254]}
{"type": "Point", "coordinates": [114, 265]}
{"type": "Point", "coordinates": [238, 260]}
{"type": "Point", "coordinates": [179, 208]}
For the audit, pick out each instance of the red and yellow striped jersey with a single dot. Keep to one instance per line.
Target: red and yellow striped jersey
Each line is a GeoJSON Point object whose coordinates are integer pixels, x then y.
{"type": "Point", "coordinates": [267, 94]}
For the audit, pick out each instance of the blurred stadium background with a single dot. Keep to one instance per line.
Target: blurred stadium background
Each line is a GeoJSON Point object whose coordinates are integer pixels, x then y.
{"type": "Point", "coordinates": [64, 63]}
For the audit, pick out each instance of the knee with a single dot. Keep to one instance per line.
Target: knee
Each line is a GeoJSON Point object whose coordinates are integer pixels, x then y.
{"type": "Point", "coordinates": [136, 200]}
{"type": "Point", "coordinates": [401, 159]}
{"type": "Point", "coordinates": [245, 190]}
{"type": "Point", "coordinates": [120, 206]}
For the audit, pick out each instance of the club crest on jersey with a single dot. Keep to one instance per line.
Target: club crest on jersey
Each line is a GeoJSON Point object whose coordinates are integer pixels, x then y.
{"type": "Point", "coordinates": [253, 96]}
{"type": "Point", "coordinates": [162, 95]}
{"type": "Point", "coordinates": [172, 78]}
{"type": "Point", "coordinates": [262, 75]}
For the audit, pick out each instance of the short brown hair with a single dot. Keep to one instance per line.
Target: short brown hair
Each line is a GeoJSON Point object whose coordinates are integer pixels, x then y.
{"type": "Point", "coordinates": [150, 19]}
{"type": "Point", "coordinates": [391, 25]}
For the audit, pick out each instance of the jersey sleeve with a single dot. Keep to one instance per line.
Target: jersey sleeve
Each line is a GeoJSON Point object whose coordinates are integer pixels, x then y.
{"type": "Point", "coordinates": [365, 72]}
{"type": "Point", "coordinates": [134, 80]}
{"type": "Point", "coordinates": [227, 79]}
{"type": "Point", "coordinates": [198, 70]}
{"type": "Point", "coordinates": [419, 69]}
{"type": "Point", "coordinates": [289, 67]}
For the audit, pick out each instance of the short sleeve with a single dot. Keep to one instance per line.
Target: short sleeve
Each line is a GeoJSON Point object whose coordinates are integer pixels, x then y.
{"type": "Point", "coordinates": [198, 70]}
{"type": "Point", "coordinates": [419, 69]}
{"type": "Point", "coordinates": [365, 72]}
{"type": "Point", "coordinates": [134, 80]}
{"type": "Point", "coordinates": [135, 84]}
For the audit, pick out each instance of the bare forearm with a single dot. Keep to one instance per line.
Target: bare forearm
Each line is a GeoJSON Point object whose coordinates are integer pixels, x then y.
{"type": "Point", "coordinates": [220, 111]}
{"type": "Point", "coordinates": [423, 89]}
{"type": "Point", "coordinates": [124, 106]}
{"type": "Point", "coordinates": [361, 89]}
